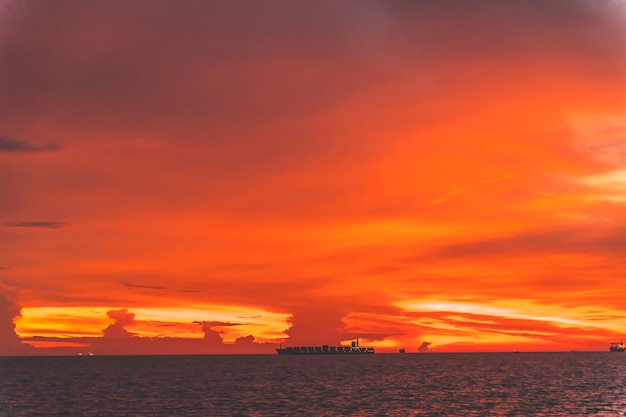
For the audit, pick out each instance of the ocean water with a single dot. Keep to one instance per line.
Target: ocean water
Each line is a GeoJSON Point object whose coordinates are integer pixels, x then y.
{"type": "Point", "coordinates": [434, 384]}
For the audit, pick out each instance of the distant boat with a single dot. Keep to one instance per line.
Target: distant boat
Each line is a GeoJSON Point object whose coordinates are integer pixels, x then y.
{"type": "Point", "coordinates": [90, 354]}
{"type": "Point", "coordinates": [617, 347]}
{"type": "Point", "coordinates": [402, 350]}
{"type": "Point", "coordinates": [354, 349]}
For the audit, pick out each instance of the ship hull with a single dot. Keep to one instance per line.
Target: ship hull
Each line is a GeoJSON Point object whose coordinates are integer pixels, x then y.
{"type": "Point", "coordinates": [616, 349]}
{"type": "Point", "coordinates": [325, 350]}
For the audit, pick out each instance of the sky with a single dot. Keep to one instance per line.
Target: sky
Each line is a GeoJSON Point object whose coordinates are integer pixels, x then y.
{"type": "Point", "coordinates": [229, 177]}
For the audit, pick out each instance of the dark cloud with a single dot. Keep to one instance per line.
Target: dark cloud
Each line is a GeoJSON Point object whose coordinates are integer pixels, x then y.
{"type": "Point", "coordinates": [211, 73]}
{"type": "Point", "coordinates": [20, 146]}
{"type": "Point", "coordinates": [122, 319]}
{"type": "Point", "coordinates": [217, 64]}
{"type": "Point", "coordinates": [216, 323]}
{"type": "Point", "coordinates": [215, 343]}
{"type": "Point", "coordinates": [212, 337]}
{"type": "Point", "coordinates": [245, 340]}
{"type": "Point", "coordinates": [151, 287]}
{"type": "Point", "coordinates": [113, 73]}
{"type": "Point", "coordinates": [37, 224]}
{"type": "Point", "coordinates": [424, 347]}
{"type": "Point", "coordinates": [10, 343]}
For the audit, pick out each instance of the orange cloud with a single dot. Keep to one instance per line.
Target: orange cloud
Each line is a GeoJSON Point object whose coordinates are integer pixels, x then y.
{"type": "Point", "coordinates": [303, 175]}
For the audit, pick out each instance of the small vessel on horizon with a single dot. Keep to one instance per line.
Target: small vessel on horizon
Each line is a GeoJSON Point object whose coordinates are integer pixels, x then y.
{"type": "Point", "coordinates": [617, 347]}
{"type": "Point", "coordinates": [353, 349]}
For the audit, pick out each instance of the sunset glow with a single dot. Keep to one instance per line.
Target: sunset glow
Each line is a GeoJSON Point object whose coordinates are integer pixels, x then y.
{"type": "Point", "coordinates": [153, 322]}
{"type": "Point", "coordinates": [227, 177]}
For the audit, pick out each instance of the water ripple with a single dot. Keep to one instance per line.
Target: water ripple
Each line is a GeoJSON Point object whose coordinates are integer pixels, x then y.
{"type": "Point", "coordinates": [492, 384]}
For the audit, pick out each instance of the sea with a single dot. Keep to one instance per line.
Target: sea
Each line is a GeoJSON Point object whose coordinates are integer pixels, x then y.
{"type": "Point", "coordinates": [412, 384]}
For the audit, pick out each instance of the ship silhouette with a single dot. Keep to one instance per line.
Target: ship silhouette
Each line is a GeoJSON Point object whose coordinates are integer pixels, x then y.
{"type": "Point", "coordinates": [353, 349]}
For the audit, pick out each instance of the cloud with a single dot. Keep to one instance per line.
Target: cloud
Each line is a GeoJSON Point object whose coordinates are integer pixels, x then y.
{"type": "Point", "coordinates": [122, 319]}
{"type": "Point", "coordinates": [281, 127]}
{"type": "Point", "coordinates": [212, 337]}
{"type": "Point", "coordinates": [216, 323]}
{"type": "Point", "coordinates": [151, 287]}
{"type": "Point", "coordinates": [316, 326]}
{"type": "Point", "coordinates": [244, 344]}
{"type": "Point", "coordinates": [424, 347]}
{"type": "Point", "coordinates": [20, 146]}
{"type": "Point", "coordinates": [37, 224]}
{"type": "Point", "coordinates": [10, 343]}
{"type": "Point", "coordinates": [559, 240]}
{"type": "Point", "coordinates": [245, 340]}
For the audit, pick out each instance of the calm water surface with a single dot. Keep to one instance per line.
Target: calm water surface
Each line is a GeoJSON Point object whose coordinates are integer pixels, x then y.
{"type": "Point", "coordinates": [436, 384]}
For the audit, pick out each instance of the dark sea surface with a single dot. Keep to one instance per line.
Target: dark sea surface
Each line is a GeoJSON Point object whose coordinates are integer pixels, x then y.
{"type": "Point", "coordinates": [433, 384]}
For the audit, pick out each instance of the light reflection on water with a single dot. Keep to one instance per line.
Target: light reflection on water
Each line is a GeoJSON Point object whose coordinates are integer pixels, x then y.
{"type": "Point", "coordinates": [477, 384]}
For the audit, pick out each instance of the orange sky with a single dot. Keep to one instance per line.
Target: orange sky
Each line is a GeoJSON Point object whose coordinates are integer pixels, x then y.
{"type": "Point", "coordinates": [225, 177]}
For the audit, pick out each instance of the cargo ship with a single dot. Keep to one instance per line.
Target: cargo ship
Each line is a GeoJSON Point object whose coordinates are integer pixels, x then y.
{"type": "Point", "coordinates": [617, 347]}
{"type": "Point", "coordinates": [353, 349]}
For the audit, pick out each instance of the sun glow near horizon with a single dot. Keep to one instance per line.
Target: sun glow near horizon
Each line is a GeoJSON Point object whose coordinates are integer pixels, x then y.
{"type": "Point", "coordinates": [184, 322]}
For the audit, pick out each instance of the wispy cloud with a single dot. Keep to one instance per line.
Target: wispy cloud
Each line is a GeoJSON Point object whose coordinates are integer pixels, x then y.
{"type": "Point", "coordinates": [37, 224]}
{"type": "Point", "coordinates": [20, 146]}
{"type": "Point", "coordinates": [582, 240]}
{"type": "Point", "coordinates": [216, 323]}
{"type": "Point", "coordinates": [150, 287]}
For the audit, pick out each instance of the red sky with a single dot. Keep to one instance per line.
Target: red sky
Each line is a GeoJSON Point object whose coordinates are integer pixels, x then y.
{"type": "Point", "coordinates": [223, 177]}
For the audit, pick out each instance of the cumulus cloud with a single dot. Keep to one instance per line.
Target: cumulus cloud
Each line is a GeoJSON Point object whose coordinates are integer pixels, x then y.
{"type": "Point", "coordinates": [315, 327]}
{"type": "Point", "coordinates": [245, 340]}
{"type": "Point", "coordinates": [212, 337]}
{"type": "Point", "coordinates": [122, 319]}
{"type": "Point", "coordinates": [424, 347]}
{"type": "Point", "coordinates": [10, 343]}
